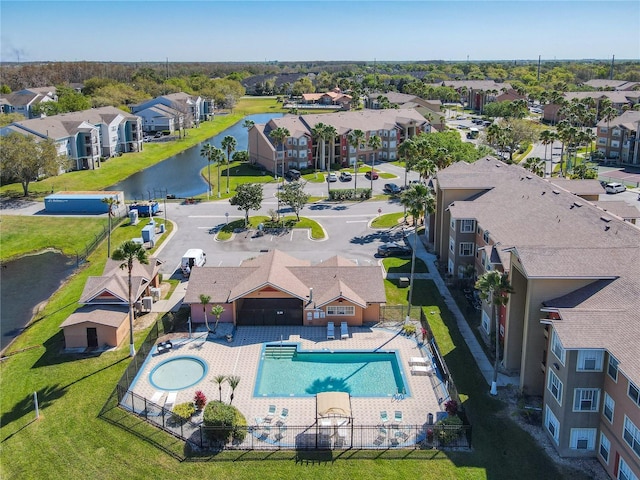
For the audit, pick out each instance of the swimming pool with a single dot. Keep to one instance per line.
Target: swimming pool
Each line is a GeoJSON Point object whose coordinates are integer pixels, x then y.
{"type": "Point", "coordinates": [178, 373]}
{"type": "Point", "coordinates": [287, 372]}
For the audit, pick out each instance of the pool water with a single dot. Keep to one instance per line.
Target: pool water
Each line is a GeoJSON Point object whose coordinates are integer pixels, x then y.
{"type": "Point", "coordinates": [362, 374]}
{"type": "Point", "coordinates": [178, 373]}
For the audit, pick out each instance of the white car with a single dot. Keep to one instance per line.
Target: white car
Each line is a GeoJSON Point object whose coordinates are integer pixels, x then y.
{"type": "Point", "coordinates": [332, 177]}
{"type": "Point", "coordinates": [614, 187]}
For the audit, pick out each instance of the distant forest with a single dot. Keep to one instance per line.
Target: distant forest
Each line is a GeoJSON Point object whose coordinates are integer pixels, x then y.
{"type": "Point", "coordinates": [121, 84]}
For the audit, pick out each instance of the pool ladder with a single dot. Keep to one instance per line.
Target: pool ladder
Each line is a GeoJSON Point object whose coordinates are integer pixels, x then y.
{"type": "Point", "coordinates": [277, 351]}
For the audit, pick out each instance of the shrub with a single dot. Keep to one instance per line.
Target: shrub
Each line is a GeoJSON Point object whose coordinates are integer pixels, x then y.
{"type": "Point", "coordinates": [223, 422]}
{"type": "Point", "coordinates": [451, 407]}
{"type": "Point", "coordinates": [182, 412]}
{"type": "Point", "coordinates": [200, 400]}
{"type": "Point", "coordinates": [449, 429]}
{"type": "Point", "coordinates": [409, 329]}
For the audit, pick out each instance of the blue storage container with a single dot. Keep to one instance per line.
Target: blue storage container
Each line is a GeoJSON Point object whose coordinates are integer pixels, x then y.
{"type": "Point", "coordinates": [83, 202]}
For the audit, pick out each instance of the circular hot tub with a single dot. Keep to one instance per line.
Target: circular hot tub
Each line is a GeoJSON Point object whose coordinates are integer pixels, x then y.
{"type": "Point", "coordinates": [178, 373]}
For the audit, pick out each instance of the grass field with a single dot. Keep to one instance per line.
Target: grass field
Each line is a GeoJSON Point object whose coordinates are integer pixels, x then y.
{"type": "Point", "coordinates": [403, 265]}
{"type": "Point", "coordinates": [317, 232]}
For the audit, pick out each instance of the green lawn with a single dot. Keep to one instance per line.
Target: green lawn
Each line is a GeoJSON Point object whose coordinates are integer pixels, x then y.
{"type": "Point", "coordinates": [403, 265]}
{"type": "Point", "coordinates": [388, 220]}
{"type": "Point", "coordinates": [317, 233]}
{"type": "Point", "coordinates": [239, 173]}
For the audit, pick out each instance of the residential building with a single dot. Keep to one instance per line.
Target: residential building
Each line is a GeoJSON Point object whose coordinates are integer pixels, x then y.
{"type": "Point", "coordinates": [618, 138]}
{"type": "Point", "coordinates": [24, 101]}
{"type": "Point", "coordinates": [87, 136]}
{"type": "Point", "coordinates": [620, 101]}
{"type": "Point", "coordinates": [299, 150]}
{"type": "Point", "coordinates": [476, 93]}
{"type": "Point", "coordinates": [161, 118]}
{"type": "Point", "coordinates": [278, 289]}
{"type": "Point", "coordinates": [606, 84]}
{"type": "Point", "coordinates": [333, 97]}
{"type": "Point", "coordinates": [571, 329]}
{"type": "Point", "coordinates": [192, 108]}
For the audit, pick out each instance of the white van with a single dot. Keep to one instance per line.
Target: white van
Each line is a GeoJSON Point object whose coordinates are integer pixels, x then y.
{"type": "Point", "coordinates": [194, 257]}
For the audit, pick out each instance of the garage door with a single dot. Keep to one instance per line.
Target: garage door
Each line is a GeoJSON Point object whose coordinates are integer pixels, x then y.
{"type": "Point", "coordinates": [269, 312]}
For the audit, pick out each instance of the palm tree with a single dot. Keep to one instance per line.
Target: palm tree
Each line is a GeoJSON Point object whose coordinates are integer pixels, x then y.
{"type": "Point", "coordinates": [229, 144]}
{"type": "Point", "coordinates": [204, 300]}
{"type": "Point", "coordinates": [495, 287]}
{"type": "Point", "coordinates": [127, 253]}
{"type": "Point", "coordinates": [318, 133]}
{"type": "Point", "coordinates": [535, 165]}
{"type": "Point", "coordinates": [547, 137]}
{"type": "Point", "coordinates": [417, 200]}
{"type": "Point", "coordinates": [248, 124]}
{"type": "Point", "coordinates": [111, 202]}
{"type": "Point", "coordinates": [219, 379]}
{"type": "Point", "coordinates": [207, 151]}
{"type": "Point", "coordinates": [355, 138]}
{"type": "Point", "coordinates": [330, 133]}
{"type": "Point", "coordinates": [426, 169]}
{"type": "Point", "coordinates": [408, 150]}
{"type": "Point", "coordinates": [217, 311]}
{"type": "Point", "coordinates": [233, 381]}
{"type": "Point", "coordinates": [279, 135]}
{"type": "Point", "coordinates": [375, 142]}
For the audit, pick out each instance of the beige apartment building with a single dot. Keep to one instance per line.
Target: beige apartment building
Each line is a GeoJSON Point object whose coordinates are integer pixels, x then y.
{"type": "Point", "coordinates": [571, 329]}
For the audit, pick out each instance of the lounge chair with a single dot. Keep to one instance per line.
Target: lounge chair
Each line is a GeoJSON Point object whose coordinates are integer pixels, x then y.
{"type": "Point", "coordinates": [331, 331]}
{"type": "Point", "coordinates": [284, 414]}
{"type": "Point", "coordinates": [384, 418]}
{"type": "Point", "coordinates": [397, 417]}
{"type": "Point", "coordinates": [344, 330]}
{"type": "Point", "coordinates": [155, 398]}
{"type": "Point", "coordinates": [419, 361]}
{"type": "Point", "coordinates": [170, 401]}
{"type": "Point", "coordinates": [382, 436]}
{"type": "Point", "coordinates": [421, 370]}
{"type": "Point", "coordinates": [270, 414]}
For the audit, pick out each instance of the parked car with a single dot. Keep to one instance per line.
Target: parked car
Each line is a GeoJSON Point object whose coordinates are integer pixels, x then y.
{"type": "Point", "coordinates": [345, 177]}
{"type": "Point", "coordinates": [332, 177]}
{"type": "Point", "coordinates": [292, 174]}
{"type": "Point", "coordinates": [393, 249]}
{"type": "Point", "coordinates": [614, 187]}
{"type": "Point", "coordinates": [391, 189]}
{"type": "Point", "coordinates": [371, 174]}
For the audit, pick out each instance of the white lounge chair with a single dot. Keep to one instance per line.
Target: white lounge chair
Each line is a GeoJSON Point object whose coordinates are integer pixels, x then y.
{"type": "Point", "coordinates": [170, 401]}
{"type": "Point", "coordinates": [421, 370]}
{"type": "Point", "coordinates": [270, 413]}
{"type": "Point", "coordinates": [155, 398]}
{"type": "Point", "coordinates": [331, 331]}
{"type": "Point", "coordinates": [419, 361]}
{"type": "Point", "coordinates": [344, 330]}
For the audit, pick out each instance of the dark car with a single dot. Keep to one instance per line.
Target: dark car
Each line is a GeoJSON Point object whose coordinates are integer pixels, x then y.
{"type": "Point", "coordinates": [393, 249]}
{"type": "Point", "coordinates": [391, 189]}
{"type": "Point", "coordinates": [292, 174]}
{"type": "Point", "coordinates": [371, 174]}
{"type": "Point", "coordinates": [345, 177]}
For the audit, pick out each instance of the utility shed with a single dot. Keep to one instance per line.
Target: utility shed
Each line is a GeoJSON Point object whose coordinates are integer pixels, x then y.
{"type": "Point", "coordinates": [85, 202]}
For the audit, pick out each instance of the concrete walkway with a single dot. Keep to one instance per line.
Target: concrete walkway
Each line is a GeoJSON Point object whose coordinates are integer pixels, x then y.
{"type": "Point", "coordinates": [485, 366]}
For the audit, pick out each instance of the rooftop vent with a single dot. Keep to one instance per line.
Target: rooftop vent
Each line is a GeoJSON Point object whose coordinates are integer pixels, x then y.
{"type": "Point", "coordinates": [529, 177]}
{"type": "Point", "coordinates": [577, 204]}
{"type": "Point", "coordinates": [557, 192]}
{"type": "Point", "coordinates": [605, 219]}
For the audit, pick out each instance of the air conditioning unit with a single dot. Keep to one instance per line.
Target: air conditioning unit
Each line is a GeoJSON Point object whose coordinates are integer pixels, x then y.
{"type": "Point", "coordinates": [147, 303]}
{"type": "Point", "coordinates": [155, 294]}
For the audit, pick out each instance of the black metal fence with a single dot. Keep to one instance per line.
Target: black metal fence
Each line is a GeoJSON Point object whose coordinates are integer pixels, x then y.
{"type": "Point", "coordinates": [81, 256]}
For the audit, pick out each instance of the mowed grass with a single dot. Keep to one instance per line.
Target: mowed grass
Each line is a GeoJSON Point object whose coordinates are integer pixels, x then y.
{"type": "Point", "coordinates": [317, 232]}
{"type": "Point", "coordinates": [239, 173]}
{"type": "Point", "coordinates": [387, 220]}
{"type": "Point", "coordinates": [403, 265]}
{"type": "Point", "coordinates": [20, 234]}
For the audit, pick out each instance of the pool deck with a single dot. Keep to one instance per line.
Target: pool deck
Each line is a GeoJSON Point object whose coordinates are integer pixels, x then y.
{"type": "Point", "coordinates": [241, 357]}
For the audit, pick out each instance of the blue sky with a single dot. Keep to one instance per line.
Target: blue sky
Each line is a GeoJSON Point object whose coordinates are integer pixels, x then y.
{"type": "Point", "coordinates": [259, 30]}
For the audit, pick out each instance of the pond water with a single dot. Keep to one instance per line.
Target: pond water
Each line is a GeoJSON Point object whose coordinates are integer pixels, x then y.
{"type": "Point", "coordinates": [26, 283]}
{"type": "Point", "coordinates": [180, 175]}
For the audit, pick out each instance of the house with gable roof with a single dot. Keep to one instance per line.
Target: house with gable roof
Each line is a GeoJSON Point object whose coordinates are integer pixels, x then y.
{"type": "Point", "coordinates": [24, 101]}
{"type": "Point", "coordinates": [278, 289]}
{"type": "Point", "coordinates": [192, 109]}
{"type": "Point", "coordinates": [103, 317]}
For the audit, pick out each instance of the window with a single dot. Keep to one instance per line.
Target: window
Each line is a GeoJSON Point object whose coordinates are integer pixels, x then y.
{"type": "Point", "coordinates": [590, 360]}
{"type": "Point", "coordinates": [468, 226]}
{"type": "Point", "coordinates": [466, 249]}
{"type": "Point", "coordinates": [615, 144]}
{"type": "Point", "coordinates": [552, 424]}
{"type": "Point", "coordinates": [631, 435]}
{"type": "Point", "coordinates": [615, 132]}
{"type": "Point", "coordinates": [450, 267]}
{"type": "Point", "coordinates": [557, 348]}
{"type": "Point", "coordinates": [586, 399]}
{"type": "Point", "coordinates": [554, 385]}
{"type": "Point", "coordinates": [605, 446]}
{"type": "Point", "coordinates": [486, 322]}
{"type": "Point", "coordinates": [583, 439]}
{"type": "Point", "coordinates": [452, 245]}
{"type": "Point", "coordinates": [608, 407]}
{"type": "Point", "coordinates": [485, 236]}
{"type": "Point", "coordinates": [345, 310]}
{"type": "Point", "coordinates": [624, 471]}
{"type": "Point", "coordinates": [453, 224]}
{"type": "Point", "coordinates": [612, 370]}
{"type": "Point", "coordinates": [604, 130]}
{"type": "Point", "coordinates": [634, 393]}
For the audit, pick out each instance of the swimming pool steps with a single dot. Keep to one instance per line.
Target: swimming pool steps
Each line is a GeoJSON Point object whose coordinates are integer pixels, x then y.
{"type": "Point", "coordinates": [276, 351]}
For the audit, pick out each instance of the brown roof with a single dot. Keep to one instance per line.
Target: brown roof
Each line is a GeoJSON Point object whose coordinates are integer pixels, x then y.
{"type": "Point", "coordinates": [578, 187]}
{"type": "Point", "coordinates": [619, 208]}
{"type": "Point", "coordinates": [332, 279]}
{"type": "Point", "coordinates": [111, 316]}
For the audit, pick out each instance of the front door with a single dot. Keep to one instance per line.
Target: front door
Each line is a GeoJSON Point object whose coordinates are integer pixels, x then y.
{"type": "Point", "coordinates": [92, 338]}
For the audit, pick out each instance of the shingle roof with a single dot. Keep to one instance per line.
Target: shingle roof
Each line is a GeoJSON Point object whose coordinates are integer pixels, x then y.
{"type": "Point", "coordinates": [111, 316]}
{"type": "Point", "coordinates": [628, 119]}
{"type": "Point", "coordinates": [332, 279]}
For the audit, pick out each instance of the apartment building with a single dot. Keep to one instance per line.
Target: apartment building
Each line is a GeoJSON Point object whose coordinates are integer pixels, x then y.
{"type": "Point", "coordinates": [617, 139]}
{"type": "Point", "coordinates": [300, 148]}
{"type": "Point", "coordinates": [571, 329]}
{"type": "Point", "coordinates": [25, 101]}
{"type": "Point", "coordinates": [476, 93]}
{"type": "Point", "coordinates": [620, 101]}
{"type": "Point", "coordinates": [192, 109]}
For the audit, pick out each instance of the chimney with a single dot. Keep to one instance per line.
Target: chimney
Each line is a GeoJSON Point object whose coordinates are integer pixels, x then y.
{"type": "Point", "coordinates": [310, 294]}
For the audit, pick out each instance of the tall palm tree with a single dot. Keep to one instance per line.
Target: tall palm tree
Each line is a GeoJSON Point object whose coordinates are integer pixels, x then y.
{"type": "Point", "coordinates": [547, 137]}
{"type": "Point", "coordinates": [355, 138]}
{"type": "Point", "coordinates": [279, 135]}
{"type": "Point", "coordinates": [217, 156]}
{"type": "Point", "coordinates": [204, 301]}
{"type": "Point", "coordinates": [330, 133]}
{"type": "Point", "coordinates": [426, 169]}
{"type": "Point", "coordinates": [494, 286]}
{"type": "Point", "coordinates": [229, 144]}
{"type": "Point", "coordinates": [206, 151]}
{"type": "Point", "coordinates": [219, 379]}
{"type": "Point", "coordinates": [318, 133]}
{"type": "Point", "coordinates": [111, 202]}
{"type": "Point", "coordinates": [248, 124]}
{"type": "Point", "coordinates": [374, 142]}
{"type": "Point", "coordinates": [535, 165]}
{"type": "Point", "coordinates": [217, 311]}
{"type": "Point", "coordinates": [233, 381]}
{"type": "Point", "coordinates": [127, 253]}
{"type": "Point", "coordinates": [408, 151]}
{"type": "Point", "coordinates": [418, 201]}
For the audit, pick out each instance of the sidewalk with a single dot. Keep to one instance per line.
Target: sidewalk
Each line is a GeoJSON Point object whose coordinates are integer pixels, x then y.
{"type": "Point", "coordinates": [174, 302]}
{"type": "Point", "coordinates": [485, 366]}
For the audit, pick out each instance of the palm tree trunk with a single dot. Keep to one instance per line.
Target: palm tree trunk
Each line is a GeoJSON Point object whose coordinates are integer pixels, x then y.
{"type": "Point", "coordinates": [413, 268]}
{"type": "Point", "coordinates": [496, 362]}
{"type": "Point", "coordinates": [132, 348]}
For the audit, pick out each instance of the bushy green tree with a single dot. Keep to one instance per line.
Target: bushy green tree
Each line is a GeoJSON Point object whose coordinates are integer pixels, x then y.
{"type": "Point", "coordinates": [293, 195]}
{"type": "Point", "coordinates": [248, 197]}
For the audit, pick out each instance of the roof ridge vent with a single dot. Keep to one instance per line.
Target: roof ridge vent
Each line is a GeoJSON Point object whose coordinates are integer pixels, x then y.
{"type": "Point", "coordinates": [529, 177]}
{"type": "Point", "coordinates": [605, 219]}
{"type": "Point", "coordinates": [577, 204]}
{"type": "Point", "coordinates": [557, 192]}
